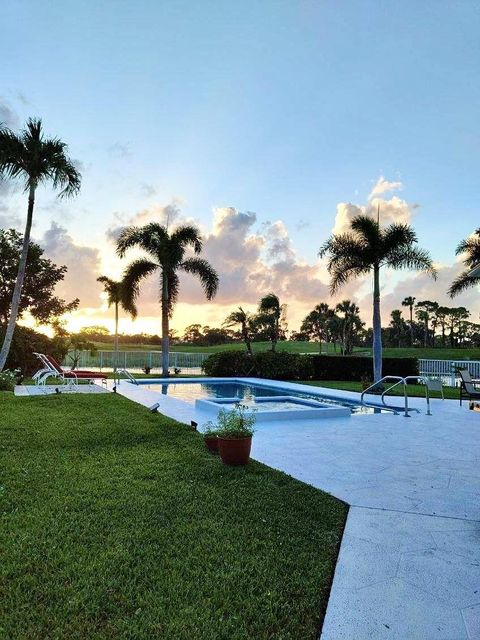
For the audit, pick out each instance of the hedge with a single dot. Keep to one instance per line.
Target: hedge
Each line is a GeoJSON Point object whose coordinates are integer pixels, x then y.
{"type": "Point", "coordinates": [354, 368]}
{"type": "Point", "coordinates": [266, 364]}
{"type": "Point", "coordinates": [293, 366]}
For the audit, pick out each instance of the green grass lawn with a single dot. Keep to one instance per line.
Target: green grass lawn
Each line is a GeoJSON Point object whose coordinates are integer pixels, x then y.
{"type": "Point", "coordinates": [312, 347]}
{"type": "Point", "coordinates": [117, 524]}
{"type": "Point", "coordinates": [417, 390]}
{"type": "Point", "coordinates": [284, 345]}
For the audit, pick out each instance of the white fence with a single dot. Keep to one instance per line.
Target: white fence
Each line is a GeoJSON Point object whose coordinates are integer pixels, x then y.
{"type": "Point", "coordinates": [446, 369]}
{"type": "Point", "coordinates": [138, 360]}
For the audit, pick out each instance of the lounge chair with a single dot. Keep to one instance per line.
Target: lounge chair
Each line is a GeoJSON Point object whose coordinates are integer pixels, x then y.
{"type": "Point", "coordinates": [52, 368]}
{"type": "Point", "coordinates": [468, 390]}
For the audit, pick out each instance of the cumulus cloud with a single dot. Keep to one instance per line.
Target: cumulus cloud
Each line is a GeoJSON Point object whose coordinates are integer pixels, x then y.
{"type": "Point", "coordinates": [382, 186]}
{"type": "Point", "coordinates": [169, 215]}
{"type": "Point", "coordinates": [393, 210]}
{"type": "Point", "coordinates": [83, 265]}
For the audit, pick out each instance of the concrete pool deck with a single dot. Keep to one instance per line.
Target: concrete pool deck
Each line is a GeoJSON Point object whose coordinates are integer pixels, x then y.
{"type": "Point", "coordinates": [409, 562]}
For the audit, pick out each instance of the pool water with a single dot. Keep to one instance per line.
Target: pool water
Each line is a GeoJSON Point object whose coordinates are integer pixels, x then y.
{"type": "Point", "coordinates": [246, 393]}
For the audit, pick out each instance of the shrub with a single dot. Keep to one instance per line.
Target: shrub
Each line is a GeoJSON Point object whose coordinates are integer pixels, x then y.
{"type": "Point", "coordinates": [267, 364]}
{"type": "Point", "coordinates": [27, 341]}
{"type": "Point", "coordinates": [8, 380]}
{"type": "Point", "coordinates": [355, 368]}
{"type": "Point", "coordinates": [293, 366]}
{"type": "Point", "coordinates": [234, 423]}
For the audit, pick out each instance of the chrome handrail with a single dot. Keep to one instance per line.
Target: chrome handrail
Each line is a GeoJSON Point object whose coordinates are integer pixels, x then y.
{"type": "Point", "coordinates": [399, 380]}
{"type": "Point", "coordinates": [128, 374]}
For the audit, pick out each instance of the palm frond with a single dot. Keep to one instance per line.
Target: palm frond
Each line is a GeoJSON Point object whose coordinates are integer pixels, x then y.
{"type": "Point", "coordinates": [187, 235]}
{"type": "Point", "coordinates": [410, 257]}
{"type": "Point", "coordinates": [134, 274]}
{"type": "Point", "coordinates": [462, 282]}
{"type": "Point", "coordinates": [150, 238]}
{"type": "Point", "coordinates": [205, 272]}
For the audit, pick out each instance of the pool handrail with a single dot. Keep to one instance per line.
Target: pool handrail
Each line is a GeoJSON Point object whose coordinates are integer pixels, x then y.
{"type": "Point", "coordinates": [398, 380]}
{"type": "Point", "coordinates": [128, 374]}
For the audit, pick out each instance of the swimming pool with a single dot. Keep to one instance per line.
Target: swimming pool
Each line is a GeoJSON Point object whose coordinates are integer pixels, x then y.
{"type": "Point", "coordinates": [190, 391]}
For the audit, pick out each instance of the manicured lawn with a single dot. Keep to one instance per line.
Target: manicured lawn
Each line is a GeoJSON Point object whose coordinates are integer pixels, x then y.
{"type": "Point", "coordinates": [413, 389]}
{"type": "Point", "coordinates": [312, 347]}
{"type": "Point", "coordinates": [284, 345]}
{"type": "Point", "coordinates": [116, 524]}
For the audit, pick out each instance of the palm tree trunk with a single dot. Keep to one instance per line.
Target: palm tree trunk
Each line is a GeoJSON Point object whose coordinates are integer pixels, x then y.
{"type": "Point", "coordinates": [377, 326]}
{"type": "Point", "coordinates": [411, 325]}
{"type": "Point", "coordinates": [165, 327]}
{"type": "Point", "coordinates": [425, 333]}
{"type": "Point", "coordinates": [17, 292]}
{"type": "Point", "coordinates": [115, 347]}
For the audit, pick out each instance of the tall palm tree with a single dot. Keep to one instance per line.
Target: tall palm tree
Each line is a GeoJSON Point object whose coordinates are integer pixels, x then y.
{"type": "Point", "coordinates": [241, 317]}
{"type": "Point", "coordinates": [35, 160]}
{"type": "Point", "coordinates": [365, 249]}
{"type": "Point", "coordinates": [119, 294]}
{"type": "Point", "coordinates": [272, 314]}
{"type": "Point", "coordinates": [167, 256]}
{"type": "Point", "coordinates": [471, 248]}
{"type": "Point", "coordinates": [409, 302]}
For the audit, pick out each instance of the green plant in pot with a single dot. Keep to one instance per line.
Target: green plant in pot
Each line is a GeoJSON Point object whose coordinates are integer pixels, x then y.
{"type": "Point", "coordinates": [210, 437]}
{"type": "Point", "coordinates": [234, 433]}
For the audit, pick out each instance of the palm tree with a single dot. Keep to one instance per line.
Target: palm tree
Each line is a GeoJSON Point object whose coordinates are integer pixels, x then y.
{"type": "Point", "coordinates": [409, 302]}
{"type": "Point", "coordinates": [424, 310]}
{"type": "Point", "coordinates": [167, 253]}
{"type": "Point", "coordinates": [349, 322]}
{"type": "Point", "coordinates": [241, 317]}
{"type": "Point", "coordinates": [272, 314]}
{"type": "Point", "coordinates": [118, 294]}
{"type": "Point", "coordinates": [366, 249]}
{"type": "Point", "coordinates": [471, 248]}
{"type": "Point", "coordinates": [35, 160]}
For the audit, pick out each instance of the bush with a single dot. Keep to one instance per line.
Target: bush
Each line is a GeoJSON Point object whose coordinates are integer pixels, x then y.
{"type": "Point", "coordinates": [355, 368]}
{"type": "Point", "coordinates": [27, 341]}
{"type": "Point", "coordinates": [293, 366]}
{"type": "Point", "coordinates": [8, 380]}
{"type": "Point", "coordinates": [276, 366]}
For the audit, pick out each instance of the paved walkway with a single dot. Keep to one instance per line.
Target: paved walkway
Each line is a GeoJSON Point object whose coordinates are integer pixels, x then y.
{"type": "Point", "coordinates": [409, 563]}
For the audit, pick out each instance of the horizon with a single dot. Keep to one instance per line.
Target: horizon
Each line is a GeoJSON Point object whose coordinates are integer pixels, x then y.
{"type": "Point", "coordinates": [267, 126]}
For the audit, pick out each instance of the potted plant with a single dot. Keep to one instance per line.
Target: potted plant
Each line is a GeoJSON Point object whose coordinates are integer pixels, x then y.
{"type": "Point", "coordinates": [234, 434]}
{"type": "Point", "coordinates": [210, 437]}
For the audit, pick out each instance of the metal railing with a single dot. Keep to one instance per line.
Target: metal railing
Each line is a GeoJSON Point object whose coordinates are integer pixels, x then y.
{"type": "Point", "coordinates": [397, 381]}
{"type": "Point", "coordinates": [138, 360]}
{"type": "Point", "coordinates": [447, 369]}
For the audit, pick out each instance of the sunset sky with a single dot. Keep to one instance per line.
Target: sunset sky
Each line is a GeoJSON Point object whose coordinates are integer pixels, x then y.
{"type": "Point", "coordinates": [269, 124]}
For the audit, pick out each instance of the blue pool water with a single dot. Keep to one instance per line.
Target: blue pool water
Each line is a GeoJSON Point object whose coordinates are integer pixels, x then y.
{"type": "Point", "coordinates": [246, 392]}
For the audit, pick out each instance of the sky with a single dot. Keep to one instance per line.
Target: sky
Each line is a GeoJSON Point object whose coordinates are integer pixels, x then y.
{"type": "Point", "coordinates": [268, 124]}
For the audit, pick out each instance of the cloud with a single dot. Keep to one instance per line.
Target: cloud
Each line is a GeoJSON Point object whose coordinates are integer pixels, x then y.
{"type": "Point", "coordinates": [120, 150]}
{"type": "Point", "coordinates": [169, 214]}
{"type": "Point", "coordinates": [382, 186]}
{"type": "Point", "coordinates": [393, 210]}
{"type": "Point", "coordinates": [83, 265]}
{"type": "Point", "coordinates": [147, 189]}
{"type": "Point", "coordinates": [423, 287]}
{"type": "Point", "coordinates": [8, 116]}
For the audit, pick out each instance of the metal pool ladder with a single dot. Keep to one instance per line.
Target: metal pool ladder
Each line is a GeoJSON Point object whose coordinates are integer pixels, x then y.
{"type": "Point", "coordinates": [398, 380]}
{"type": "Point", "coordinates": [128, 374]}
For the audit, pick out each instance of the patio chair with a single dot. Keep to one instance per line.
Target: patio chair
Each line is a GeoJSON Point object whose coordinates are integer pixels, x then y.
{"type": "Point", "coordinates": [468, 390]}
{"type": "Point", "coordinates": [55, 370]}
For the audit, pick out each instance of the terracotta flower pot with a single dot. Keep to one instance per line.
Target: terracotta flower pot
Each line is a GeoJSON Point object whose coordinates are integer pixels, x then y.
{"type": "Point", "coordinates": [211, 442]}
{"type": "Point", "coordinates": [235, 451]}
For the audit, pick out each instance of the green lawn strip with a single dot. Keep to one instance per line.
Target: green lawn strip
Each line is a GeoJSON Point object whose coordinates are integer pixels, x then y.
{"type": "Point", "coordinates": [117, 524]}
{"type": "Point", "coordinates": [415, 390]}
